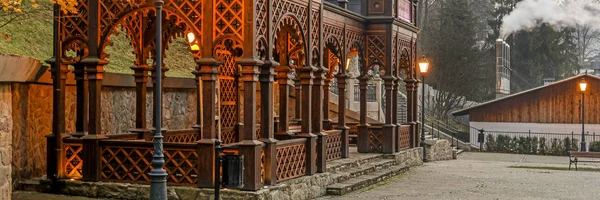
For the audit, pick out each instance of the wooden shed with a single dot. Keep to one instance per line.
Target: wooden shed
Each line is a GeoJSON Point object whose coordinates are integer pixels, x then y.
{"type": "Point", "coordinates": [552, 108]}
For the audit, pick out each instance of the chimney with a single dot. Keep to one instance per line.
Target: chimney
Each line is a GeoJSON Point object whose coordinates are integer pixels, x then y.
{"type": "Point", "coordinates": [548, 81]}
{"type": "Point", "coordinates": [502, 68]}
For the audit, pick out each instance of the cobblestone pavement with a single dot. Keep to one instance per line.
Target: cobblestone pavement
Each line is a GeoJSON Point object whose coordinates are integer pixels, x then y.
{"type": "Point", "coordinates": [487, 176]}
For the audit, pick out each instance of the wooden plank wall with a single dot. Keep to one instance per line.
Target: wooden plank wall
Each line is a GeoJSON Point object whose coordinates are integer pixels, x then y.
{"type": "Point", "coordinates": [558, 103]}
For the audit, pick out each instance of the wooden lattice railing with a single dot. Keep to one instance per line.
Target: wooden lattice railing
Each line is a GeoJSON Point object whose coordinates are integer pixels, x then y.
{"type": "Point", "coordinates": [333, 144]}
{"type": "Point", "coordinates": [375, 136]}
{"type": "Point", "coordinates": [404, 137]}
{"type": "Point", "coordinates": [291, 159]}
{"type": "Point", "coordinates": [182, 136]}
{"type": "Point", "coordinates": [130, 162]}
{"type": "Point", "coordinates": [73, 157]}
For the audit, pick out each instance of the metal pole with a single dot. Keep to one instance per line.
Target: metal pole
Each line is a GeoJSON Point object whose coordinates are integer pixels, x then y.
{"type": "Point", "coordinates": [158, 185]}
{"type": "Point", "coordinates": [423, 121]}
{"type": "Point", "coordinates": [582, 122]}
{"type": "Point", "coordinates": [218, 151]}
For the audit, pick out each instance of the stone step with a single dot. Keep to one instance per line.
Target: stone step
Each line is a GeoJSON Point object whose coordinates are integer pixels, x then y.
{"type": "Point", "coordinates": [364, 181]}
{"type": "Point", "coordinates": [31, 185]}
{"type": "Point", "coordinates": [354, 161]}
{"type": "Point", "coordinates": [364, 169]}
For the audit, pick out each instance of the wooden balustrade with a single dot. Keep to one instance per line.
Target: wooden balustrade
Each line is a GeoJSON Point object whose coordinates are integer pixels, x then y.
{"type": "Point", "coordinates": [375, 138]}
{"type": "Point", "coordinates": [182, 136]}
{"type": "Point", "coordinates": [403, 137]}
{"type": "Point", "coordinates": [126, 136]}
{"type": "Point", "coordinates": [73, 157]}
{"type": "Point", "coordinates": [334, 144]}
{"type": "Point", "coordinates": [291, 158]}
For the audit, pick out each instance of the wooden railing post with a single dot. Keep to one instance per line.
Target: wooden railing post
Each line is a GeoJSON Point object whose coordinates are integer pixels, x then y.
{"type": "Point", "coordinates": [311, 154]}
{"type": "Point", "coordinates": [267, 125]}
{"type": "Point", "coordinates": [363, 127]}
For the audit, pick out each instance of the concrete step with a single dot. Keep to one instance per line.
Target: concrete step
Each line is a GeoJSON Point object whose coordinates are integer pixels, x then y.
{"type": "Point", "coordinates": [364, 181]}
{"type": "Point", "coordinates": [364, 169]}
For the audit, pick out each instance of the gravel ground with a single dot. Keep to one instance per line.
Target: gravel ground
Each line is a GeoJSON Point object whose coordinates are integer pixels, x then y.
{"type": "Point", "coordinates": [487, 176]}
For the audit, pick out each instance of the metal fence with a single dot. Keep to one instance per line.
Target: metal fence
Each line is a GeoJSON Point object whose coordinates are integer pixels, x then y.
{"type": "Point", "coordinates": [573, 138]}
{"type": "Point", "coordinates": [371, 93]}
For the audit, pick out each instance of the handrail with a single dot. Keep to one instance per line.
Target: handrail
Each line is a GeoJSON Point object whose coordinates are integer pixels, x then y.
{"type": "Point", "coordinates": [291, 141]}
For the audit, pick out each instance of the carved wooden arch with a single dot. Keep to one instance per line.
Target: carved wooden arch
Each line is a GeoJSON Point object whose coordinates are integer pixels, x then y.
{"type": "Point", "coordinates": [404, 63]}
{"type": "Point", "coordinates": [290, 25]}
{"type": "Point", "coordinates": [78, 44]}
{"type": "Point", "coordinates": [169, 14]}
{"type": "Point", "coordinates": [335, 49]}
{"type": "Point", "coordinates": [230, 43]}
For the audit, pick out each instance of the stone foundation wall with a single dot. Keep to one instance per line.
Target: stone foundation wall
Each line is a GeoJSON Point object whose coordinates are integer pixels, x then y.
{"type": "Point", "coordinates": [303, 188]}
{"type": "Point", "coordinates": [438, 150]}
{"type": "Point", "coordinates": [6, 124]}
{"type": "Point", "coordinates": [32, 113]}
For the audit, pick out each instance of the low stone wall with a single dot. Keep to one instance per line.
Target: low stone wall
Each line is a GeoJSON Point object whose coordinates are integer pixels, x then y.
{"type": "Point", "coordinates": [438, 150]}
{"type": "Point", "coordinates": [5, 141]}
{"type": "Point", "coordinates": [303, 188]}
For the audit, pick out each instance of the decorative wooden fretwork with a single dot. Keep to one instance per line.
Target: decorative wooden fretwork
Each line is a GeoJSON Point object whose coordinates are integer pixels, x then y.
{"type": "Point", "coordinates": [375, 136]}
{"type": "Point", "coordinates": [73, 160]}
{"type": "Point", "coordinates": [404, 137]}
{"type": "Point", "coordinates": [228, 96]}
{"type": "Point", "coordinates": [376, 49]}
{"type": "Point", "coordinates": [262, 166]}
{"type": "Point", "coordinates": [182, 136]}
{"type": "Point", "coordinates": [228, 18]}
{"type": "Point", "coordinates": [76, 25]}
{"type": "Point", "coordinates": [355, 40]}
{"type": "Point", "coordinates": [296, 8]}
{"type": "Point", "coordinates": [131, 164]}
{"type": "Point", "coordinates": [291, 160]}
{"type": "Point", "coordinates": [334, 36]}
{"type": "Point", "coordinates": [333, 64]}
{"type": "Point", "coordinates": [261, 19]}
{"type": "Point", "coordinates": [334, 145]}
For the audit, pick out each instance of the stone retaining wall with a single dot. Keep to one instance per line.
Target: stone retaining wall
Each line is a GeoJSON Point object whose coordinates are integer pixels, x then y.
{"type": "Point", "coordinates": [6, 124]}
{"type": "Point", "coordinates": [438, 150]}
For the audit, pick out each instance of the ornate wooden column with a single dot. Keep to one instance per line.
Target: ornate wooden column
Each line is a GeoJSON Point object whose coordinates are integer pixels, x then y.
{"type": "Point", "coordinates": [298, 111]}
{"type": "Point", "coordinates": [341, 77]}
{"type": "Point", "coordinates": [306, 79]}
{"type": "Point", "coordinates": [363, 126]}
{"type": "Point", "coordinates": [388, 128]}
{"type": "Point", "coordinates": [207, 70]}
{"type": "Point", "coordinates": [250, 148]}
{"type": "Point", "coordinates": [411, 117]}
{"type": "Point", "coordinates": [317, 118]}
{"type": "Point", "coordinates": [94, 66]}
{"type": "Point", "coordinates": [266, 125]}
{"type": "Point", "coordinates": [141, 81]}
{"type": "Point", "coordinates": [285, 82]}
{"type": "Point", "coordinates": [395, 114]}
{"type": "Point", "coordinates": [56, 163]}
{"type": "Point", "coordinates": [82, 101]}
{"type": "Point", "coordinates": [197, 78]}
{"type": "Point", "coordinates": [326, 90]}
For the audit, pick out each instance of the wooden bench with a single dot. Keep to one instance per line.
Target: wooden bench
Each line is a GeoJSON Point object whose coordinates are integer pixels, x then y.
{"type": "Point", "coordinates": [574, 157]}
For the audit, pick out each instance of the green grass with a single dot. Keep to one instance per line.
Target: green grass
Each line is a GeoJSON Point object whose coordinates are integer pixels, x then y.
{"type": "Point", "coordinates": [555, 168]}
{"type": "Point", "coordinates": [31, 35]}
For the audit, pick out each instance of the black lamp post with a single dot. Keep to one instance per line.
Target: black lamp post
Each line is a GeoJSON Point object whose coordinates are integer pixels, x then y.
{"type": "Point", "coordinates": [582, 87]}
{"type": "Point", "coordinates": [423, 67]}
{"type": "Point", "coordinates": [158, 184]}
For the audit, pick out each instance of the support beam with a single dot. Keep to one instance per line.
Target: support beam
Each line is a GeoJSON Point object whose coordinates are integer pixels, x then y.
{"type": "Point", "coordinates": [266, 126]}
{"type": "Point", "coordinates": [389, 139]}
{"type": "Point", "coordinates": [81, 122]}
{"type": "Point", "coordinates": [208, 70]}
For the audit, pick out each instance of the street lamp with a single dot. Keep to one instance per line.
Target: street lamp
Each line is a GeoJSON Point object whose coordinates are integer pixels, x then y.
{"type": "Point", "coordinates": [194, 47]}
{"type": "Point", "coordinates": [582, 87]}
{"type": "Point", "coordinates": [158, 176]}
{"type": "Point", "coordinates": [423, 67]}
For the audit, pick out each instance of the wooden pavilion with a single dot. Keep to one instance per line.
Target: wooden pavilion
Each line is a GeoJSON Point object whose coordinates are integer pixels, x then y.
{"type": "Point", "coordinates": [238, 45]}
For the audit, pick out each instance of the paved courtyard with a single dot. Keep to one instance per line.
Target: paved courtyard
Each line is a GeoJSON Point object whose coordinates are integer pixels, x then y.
{"type": "Point", "coordinates": [478, 176]}
{"type": "Point", "coordinates": [487, 176]}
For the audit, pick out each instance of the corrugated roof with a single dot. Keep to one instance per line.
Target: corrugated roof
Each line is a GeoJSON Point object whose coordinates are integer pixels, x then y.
{"type": "Point", "coordinates": [466, 110]}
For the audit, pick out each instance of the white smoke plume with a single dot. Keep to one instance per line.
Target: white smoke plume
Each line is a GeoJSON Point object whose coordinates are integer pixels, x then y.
{"type": "Point", "coordinates": [559, 14]}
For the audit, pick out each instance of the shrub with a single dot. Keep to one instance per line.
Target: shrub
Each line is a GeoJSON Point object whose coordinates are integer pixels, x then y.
{"type": "Point", "coordinates": [501, 143]}
{"type": "Point", "coordinates": [556, 147]}
{"type": "Point", "coordinates": [534, 145]}
{"type": "Point", "coordinates": [514, 144]}
{"type": "Point", "coordinates": [543, 149]}
{"type": "Point", "coordinates": [490, 143]}
{"type": "Point", "coordinates": [595, 146]}
{"type": "Point", "coordinates": [574, 144]}
{"type": "Point", "coordinates": [567, 145]}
